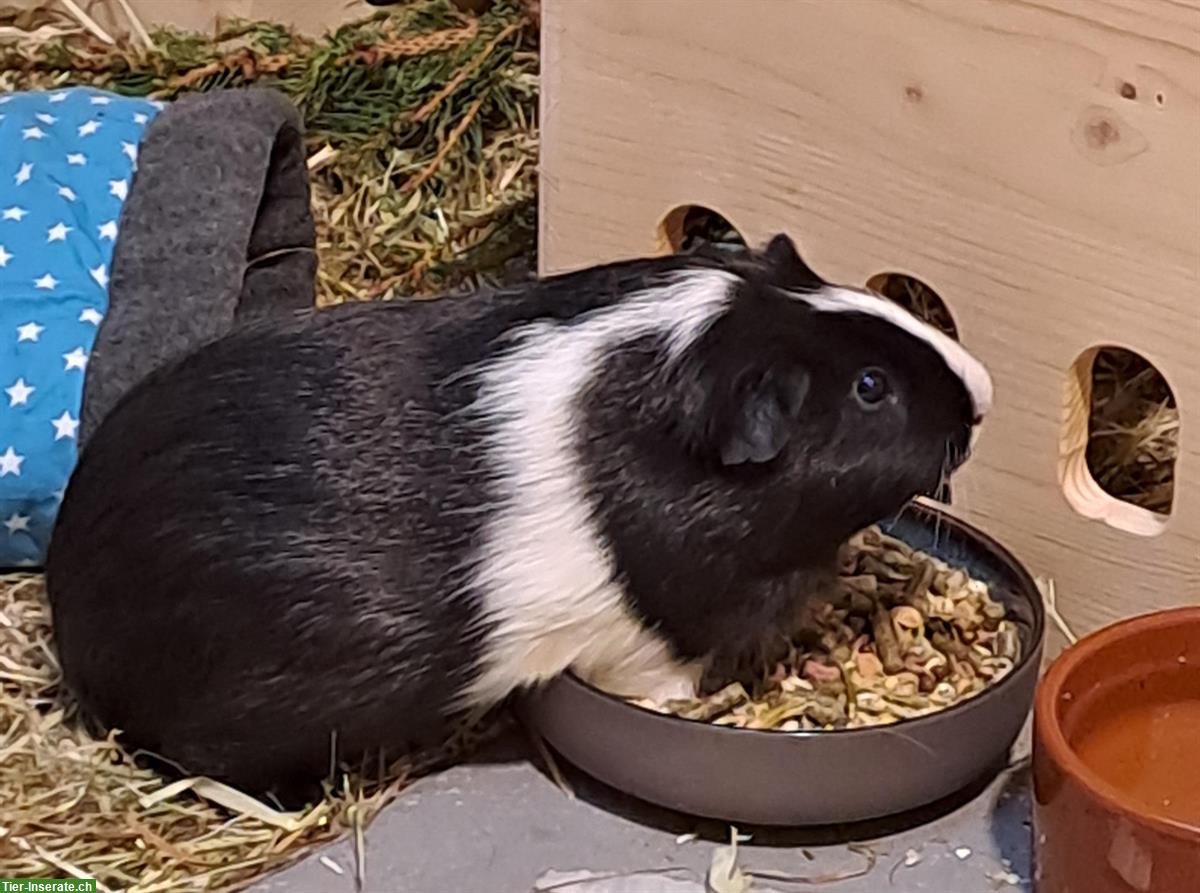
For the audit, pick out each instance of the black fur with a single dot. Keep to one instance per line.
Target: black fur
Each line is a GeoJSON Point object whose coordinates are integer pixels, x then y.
{"type": "Point", "coordinates": [267, 545]}
{"type": "Point", "coordinates": [247, 523]}
{"type": "Point", "coordinates": [713, 554]}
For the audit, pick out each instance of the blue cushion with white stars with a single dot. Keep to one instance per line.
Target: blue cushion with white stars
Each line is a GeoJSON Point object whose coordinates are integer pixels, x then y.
{"type": "Point", "coordinates": [65, 169]}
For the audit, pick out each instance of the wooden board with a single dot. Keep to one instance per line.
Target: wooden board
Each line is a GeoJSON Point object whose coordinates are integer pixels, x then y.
{"type": "Point", "coordinates": [1036, 161]}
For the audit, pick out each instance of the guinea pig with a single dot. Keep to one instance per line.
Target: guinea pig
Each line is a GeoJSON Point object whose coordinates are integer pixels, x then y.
{"type": "Point", "coordinates": [350, 530]}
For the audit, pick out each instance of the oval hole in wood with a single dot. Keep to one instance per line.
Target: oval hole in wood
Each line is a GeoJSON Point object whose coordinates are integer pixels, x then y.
{"type": "Point", "coordinates": [917, 298]}
{"type": "Point", "coordinates": [1119, 441]}
{"type": "Point", "coordinates": [689, 227]}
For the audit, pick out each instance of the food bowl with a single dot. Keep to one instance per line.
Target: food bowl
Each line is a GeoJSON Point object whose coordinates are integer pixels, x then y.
{"type": "Point", "coordinates": [812, 778]}
{"type": "Point", "coordinates": [1117, 760]}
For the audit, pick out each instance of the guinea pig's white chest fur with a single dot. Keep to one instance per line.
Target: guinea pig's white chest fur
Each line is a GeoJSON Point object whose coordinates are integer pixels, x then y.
{"type": "Point", "coordinates": [551, 597]}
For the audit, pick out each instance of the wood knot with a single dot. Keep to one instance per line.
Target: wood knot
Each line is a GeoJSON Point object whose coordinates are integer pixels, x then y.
{"type": "Point", "coordinates": [1104, 138]}
{"type": "Point", "coordinates": [1101, 133]}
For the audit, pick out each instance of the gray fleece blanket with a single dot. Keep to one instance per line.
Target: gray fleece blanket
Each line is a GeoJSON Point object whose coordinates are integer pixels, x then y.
{"type": "Point", "coordinates": [217, 230]}
{"type": "Point", "coordinates": [207, 200]}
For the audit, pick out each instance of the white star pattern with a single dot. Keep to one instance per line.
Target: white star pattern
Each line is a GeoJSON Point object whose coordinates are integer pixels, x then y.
{"type": "Point", "coordinates": [65, 426]}
{"type": "Point", "coordinates": [18, 394]}
{"type": "Point", "coordinates": [29, 332]}
{"type": "Point", "coordinates": [76, 359]}
{"type": "Point", "coordinates": [71, 164]}
{"type": "Point", "coordinates": [10, 463]}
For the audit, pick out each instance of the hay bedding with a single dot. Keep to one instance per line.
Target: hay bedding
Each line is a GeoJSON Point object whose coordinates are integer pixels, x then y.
{"type": "Point", "coordinates": [420, 124]}
{"type": "Point", "coordinates": [74, 805]}
{"type": "Point", "coordinates": [423, 148]}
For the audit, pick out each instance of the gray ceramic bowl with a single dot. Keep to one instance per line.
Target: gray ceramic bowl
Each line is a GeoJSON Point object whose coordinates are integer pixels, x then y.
{"type": "Point", "coordinates": [811, 778]}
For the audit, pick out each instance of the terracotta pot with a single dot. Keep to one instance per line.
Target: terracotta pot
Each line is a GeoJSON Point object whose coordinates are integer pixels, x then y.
{"type": "Point", "coordinates": [1117, 760]}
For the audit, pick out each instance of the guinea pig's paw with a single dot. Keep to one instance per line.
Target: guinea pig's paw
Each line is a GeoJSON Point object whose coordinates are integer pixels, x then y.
{"type": "Point", "coordinates": [683, 686]}
{"type": "Point", "coordinates": [667, 681]}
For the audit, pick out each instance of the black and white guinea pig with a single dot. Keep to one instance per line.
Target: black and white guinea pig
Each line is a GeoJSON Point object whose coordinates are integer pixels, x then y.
{"type": "Point", "coordinates": [356, 526]}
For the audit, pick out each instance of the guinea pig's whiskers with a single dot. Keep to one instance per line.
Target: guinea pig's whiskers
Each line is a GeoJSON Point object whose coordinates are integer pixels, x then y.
{"type": "Point", "coordinates": [942, 492]}
{"type": "Point", "coordinates": [962, 495]}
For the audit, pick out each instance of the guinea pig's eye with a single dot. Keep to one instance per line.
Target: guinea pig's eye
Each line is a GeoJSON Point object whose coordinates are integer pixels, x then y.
{"type": "Point", "coordinates": [871, 388]}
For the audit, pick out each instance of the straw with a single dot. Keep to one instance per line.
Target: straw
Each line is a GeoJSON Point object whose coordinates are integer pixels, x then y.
{"type": "Point", "coordinates": [75, 805]}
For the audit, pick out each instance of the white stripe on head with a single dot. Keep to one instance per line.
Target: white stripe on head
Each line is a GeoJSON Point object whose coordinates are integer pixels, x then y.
{"type": "Point", "coordinates": [551, 600]}
{"type": "Point", "coordinates": [974, 376]}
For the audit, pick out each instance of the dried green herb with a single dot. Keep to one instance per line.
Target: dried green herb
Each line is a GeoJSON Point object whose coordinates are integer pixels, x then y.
{"type": "Point", "coordinates": [423, 119]}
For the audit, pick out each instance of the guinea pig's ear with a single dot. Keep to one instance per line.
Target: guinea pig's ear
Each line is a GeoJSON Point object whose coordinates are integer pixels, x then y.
{"type": "Point", "coordinates": [762, 416]}
{"type": "Point", "coordinates": [786, 265]}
